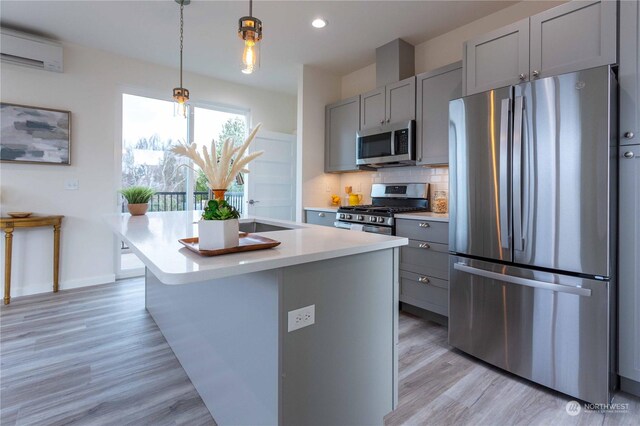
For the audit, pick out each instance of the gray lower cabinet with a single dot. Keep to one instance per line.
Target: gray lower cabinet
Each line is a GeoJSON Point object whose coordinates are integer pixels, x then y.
{"type": "Point", "coordinates": [573, 36]}
{"type": "Point", "coordinates": [497, 59]}
{"type": "Point", "coordinates": [629, 265]}
{"type": "Point", "coordinates": [629, 73]}
{"type": "Point", "coordinates": [434, 90]}
{"type": "Point", "coordinates": [318, 217]}
{"type": "Point", "coordinates": [424, 273]}
{"type": "Point", "coordinates": [342, 122]}
{"type": "Point", "coordinates": [389, 104]}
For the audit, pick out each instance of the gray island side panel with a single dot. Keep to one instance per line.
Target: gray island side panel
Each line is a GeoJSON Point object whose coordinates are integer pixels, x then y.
{"type": "Point", "coordinates": [343, 368]}
{"type": "Point", "coordinates": [224, 332]}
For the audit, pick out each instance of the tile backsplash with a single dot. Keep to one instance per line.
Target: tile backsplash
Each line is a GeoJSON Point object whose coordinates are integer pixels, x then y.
{"type": "Point", "coordinates": [361, 182]}
{"type": "Point", "coordinates": [438, 177]}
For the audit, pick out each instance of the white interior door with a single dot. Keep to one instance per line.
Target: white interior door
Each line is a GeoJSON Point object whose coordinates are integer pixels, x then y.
{"type": "Point", "coordinates": [271, 184]}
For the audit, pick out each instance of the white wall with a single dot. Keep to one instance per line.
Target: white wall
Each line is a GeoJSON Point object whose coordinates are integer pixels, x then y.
{"type": "Point", "coordinates": [91, 88]}
{"type": "Point", "coordinates": [316, 89]}
{"type": "Point", "coordinates": [447, 48]}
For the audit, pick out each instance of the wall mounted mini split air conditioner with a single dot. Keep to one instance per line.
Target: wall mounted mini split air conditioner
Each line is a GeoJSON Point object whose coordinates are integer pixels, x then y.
{"type": "Point", "coordinates": [30, 51]}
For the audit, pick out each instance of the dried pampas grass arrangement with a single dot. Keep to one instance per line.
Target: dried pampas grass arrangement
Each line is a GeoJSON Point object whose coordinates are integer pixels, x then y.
{"type": "Point", "coordinates": [220, 170]}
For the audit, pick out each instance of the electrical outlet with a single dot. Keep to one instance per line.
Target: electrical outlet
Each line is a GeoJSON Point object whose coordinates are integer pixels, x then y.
{"type": "Point", "coordinates": [71, 184]}
{"type": "Point", "coordinates": [328, 188]}
{"type": "Point", "coordinates": [302, 317]}
{"type": "Point", "coordinates": [359, 187]}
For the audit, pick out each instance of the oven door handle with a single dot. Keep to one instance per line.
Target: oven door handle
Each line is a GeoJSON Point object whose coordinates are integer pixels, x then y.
{"type": "Point", "coordinates": [522, 281]}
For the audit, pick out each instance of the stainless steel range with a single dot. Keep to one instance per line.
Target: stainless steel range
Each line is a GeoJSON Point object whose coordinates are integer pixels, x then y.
{"type": "Point", "coordinates": [387, 200]}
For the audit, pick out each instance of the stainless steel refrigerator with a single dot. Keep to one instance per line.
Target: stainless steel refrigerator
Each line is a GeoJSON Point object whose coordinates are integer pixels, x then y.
{"type": "Point", "coordinates": [532, 175]}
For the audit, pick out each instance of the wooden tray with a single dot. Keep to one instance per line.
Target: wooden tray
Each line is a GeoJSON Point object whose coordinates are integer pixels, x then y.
{"type": "Point", "coordinates": [248, 242]}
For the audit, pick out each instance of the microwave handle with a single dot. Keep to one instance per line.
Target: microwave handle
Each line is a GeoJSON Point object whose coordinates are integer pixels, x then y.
{"type": "Point", "coordinates": [393, 142]}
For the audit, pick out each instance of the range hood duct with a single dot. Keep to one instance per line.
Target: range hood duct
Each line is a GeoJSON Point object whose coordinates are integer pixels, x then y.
{"type": "Point", "coordinates": [395, 61]}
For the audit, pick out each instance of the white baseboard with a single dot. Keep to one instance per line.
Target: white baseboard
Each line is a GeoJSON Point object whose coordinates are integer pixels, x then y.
{"type": "Point", "coordinates": [27, 290]}
{"type": "Point", "coordinates": [130, 273]}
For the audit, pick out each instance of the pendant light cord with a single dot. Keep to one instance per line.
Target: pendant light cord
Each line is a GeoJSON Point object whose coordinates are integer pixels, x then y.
{"type": "Point", "coordinates": [181, 37]}
{"type": "Point", "coordinates": [251, 8]}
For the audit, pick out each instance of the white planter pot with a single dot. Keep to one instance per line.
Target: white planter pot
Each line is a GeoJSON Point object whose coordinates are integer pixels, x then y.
{"type": "Point", "coordinates": [218, 234]}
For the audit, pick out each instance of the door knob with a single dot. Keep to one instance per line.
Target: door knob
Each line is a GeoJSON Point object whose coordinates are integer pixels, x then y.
{"type": "Point", "coordinates": [629, 135]}
{"type": "Point", "coordinates": [628, 154]}
{"type": "Point", "coordinates": [522, 76]}
{"type": "Point", "coordinates": [535, 73]}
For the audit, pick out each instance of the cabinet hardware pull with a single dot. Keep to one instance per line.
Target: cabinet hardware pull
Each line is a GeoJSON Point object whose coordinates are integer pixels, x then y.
{"type": "Point", "coordinates": [424, 225]}
{"type": "Point", "coordinates": [522, 76]}
{"type": "Point", "coordinates": [424, 280]}
{"type": "Point", "coordinates": [321, 214]}
{"type": "Point", "coordinates": [535, 73]}
{"type": "Point", "coordinates": [629, 135]}
{"type": "Point", "coordinates": [628, 154]}
{"type": "Point", "coordinates": [424, 245]}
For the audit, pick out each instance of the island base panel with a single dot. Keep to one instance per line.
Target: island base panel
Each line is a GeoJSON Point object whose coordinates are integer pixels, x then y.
{"type": "Point", "coordinates": [225, 334]}
{"type": "Point", "coordinates": [231, 337]}
{"type": "Point", "coordinates": [341, 369]}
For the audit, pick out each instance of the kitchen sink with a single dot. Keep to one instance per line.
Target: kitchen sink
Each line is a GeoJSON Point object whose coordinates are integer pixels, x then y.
{"type": "Point", "coordinates": [256, 226]}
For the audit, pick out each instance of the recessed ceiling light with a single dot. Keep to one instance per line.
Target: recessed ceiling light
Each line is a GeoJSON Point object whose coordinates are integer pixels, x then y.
{"type": "Point", "coordinates": [319, 23]}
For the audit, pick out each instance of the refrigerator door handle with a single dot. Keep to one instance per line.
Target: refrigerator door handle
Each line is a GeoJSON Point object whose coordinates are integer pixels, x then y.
{"type": "Point", "coordinates": [522, 281]}
{"type": "Point", "coordinates": [517, 173]}
{"type": "Point", "coordinates": [504, 173]}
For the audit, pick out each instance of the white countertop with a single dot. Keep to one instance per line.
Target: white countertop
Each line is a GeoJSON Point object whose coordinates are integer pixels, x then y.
{"type": "Point", "coordinates": [323, 209]}
{"type": "Point", "coordinates": [154, 239]}
{"type": "Point", "coordinates": [436, 217]}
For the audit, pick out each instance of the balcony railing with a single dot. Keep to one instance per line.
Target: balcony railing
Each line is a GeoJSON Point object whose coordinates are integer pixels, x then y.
{"type": "Point", "coordinates": [177, 201]}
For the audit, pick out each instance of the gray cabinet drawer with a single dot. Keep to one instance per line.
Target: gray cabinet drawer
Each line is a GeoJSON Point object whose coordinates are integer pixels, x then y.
{"type": "Point", "coordinates": [320, 218]}
{"type": "Point", "coordinates": [425, 292]}
{"type": "Point", "coordinates": [426, 258]}
{"type": "Point", "coordinates": [437, 232]}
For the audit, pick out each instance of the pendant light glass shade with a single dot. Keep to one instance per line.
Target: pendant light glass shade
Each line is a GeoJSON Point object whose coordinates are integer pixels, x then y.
{"type": "Point", "coordinates": [180, 94]}
{"type": "Point", "coordinates": [250, 31]}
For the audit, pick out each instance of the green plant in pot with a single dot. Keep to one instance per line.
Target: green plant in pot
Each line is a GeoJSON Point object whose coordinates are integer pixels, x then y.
{"type": "Point", "coordinates": [219, 226]}
{"type": "Point", "coordinates": [138, 198]}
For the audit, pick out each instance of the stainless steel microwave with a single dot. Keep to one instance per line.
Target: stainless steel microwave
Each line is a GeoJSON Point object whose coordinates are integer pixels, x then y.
{"type": "Point", "coordinates": [387, 145]}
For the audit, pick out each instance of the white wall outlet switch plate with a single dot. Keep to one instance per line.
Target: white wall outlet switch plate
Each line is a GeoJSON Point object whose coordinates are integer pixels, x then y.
{"type": "Point", "coordinates": [328, 188]}
{"type": "Point", "coordinates": [301, 317]}
{"type": "Point", "coordinates": [72, 184]}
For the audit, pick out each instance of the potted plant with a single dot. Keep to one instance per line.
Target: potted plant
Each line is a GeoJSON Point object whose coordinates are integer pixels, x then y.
{"type": "Point", "coordinates": [219, 226]}
{"type": "Point", "coordinates": [137, 199]}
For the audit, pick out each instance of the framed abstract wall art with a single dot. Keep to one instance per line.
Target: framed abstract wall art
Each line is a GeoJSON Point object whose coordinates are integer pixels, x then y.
{"type": "Point", "coordinates": [34, 135]}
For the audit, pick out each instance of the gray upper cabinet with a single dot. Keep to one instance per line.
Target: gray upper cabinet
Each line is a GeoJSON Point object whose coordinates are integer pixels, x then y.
{"type": "Point", "coordinates": [401, 100]}
{"type": "Point", "coordinates": [629, 266]}
{"type": "Point", "coordinates": [372, 108]}
{"type": "Point", "coordinates": [342, 121]}
{"type": "Point", "coordinates": [390, 104]}
{"type": "Point", "coordinates": [572, 37]}
{"type": "Point", "coordinates": [497, 59]}
{"type": "Point", "coordinates": [434, 91]}
{"type": "Point", "coordinates": [629, 73]}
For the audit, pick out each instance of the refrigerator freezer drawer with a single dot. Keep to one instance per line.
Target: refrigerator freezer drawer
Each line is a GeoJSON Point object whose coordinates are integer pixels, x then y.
{"type": "Point", "coordinates": [549, 328]}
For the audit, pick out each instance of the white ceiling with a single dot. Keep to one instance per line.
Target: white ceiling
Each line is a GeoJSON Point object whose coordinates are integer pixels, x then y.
{"type": "Point", "coordinates": [148, 30]}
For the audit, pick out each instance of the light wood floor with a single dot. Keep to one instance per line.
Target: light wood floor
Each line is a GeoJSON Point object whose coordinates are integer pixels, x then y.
{"type": "Point", "coordinates": [94, 356]}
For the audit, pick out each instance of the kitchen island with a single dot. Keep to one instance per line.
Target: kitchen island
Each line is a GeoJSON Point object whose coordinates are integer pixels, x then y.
{"type": "Point", "coordinates": [227, 319]}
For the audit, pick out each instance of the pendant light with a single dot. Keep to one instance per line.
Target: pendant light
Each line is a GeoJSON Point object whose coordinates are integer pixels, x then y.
{"type": "Point", "coordinates": [250, 31]}
{"type": "Point", "coordinates": [180, 94]}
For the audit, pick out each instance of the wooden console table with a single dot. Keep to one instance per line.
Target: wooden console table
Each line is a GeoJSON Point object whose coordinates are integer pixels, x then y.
{"type": "Point", "coordinates": [8, 224]}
